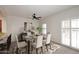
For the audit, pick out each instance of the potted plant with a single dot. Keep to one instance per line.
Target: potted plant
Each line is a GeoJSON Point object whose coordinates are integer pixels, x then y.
{"type": "Point", "coordinates": [39, 29]}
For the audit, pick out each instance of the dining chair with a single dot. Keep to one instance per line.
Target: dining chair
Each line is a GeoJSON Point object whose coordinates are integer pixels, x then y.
{"type": "Point", "coordinates": [20, 37]}
{"type": "Point", "coordinates": [20, 45]}
{"type": "Point", "coordinates": [38, 44]}
{"type": "Point", "coordinates": [9, 42]}
{"type": "Point", "coordinates": [6, 46]}
{"type": "Point", "coordinates": [48, 41]}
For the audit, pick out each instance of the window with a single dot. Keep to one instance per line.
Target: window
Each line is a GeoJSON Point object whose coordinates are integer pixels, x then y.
{"type": "Point", "coordinates": [44, 29]}
{"type": "Point", "coordinates": [70, 32]}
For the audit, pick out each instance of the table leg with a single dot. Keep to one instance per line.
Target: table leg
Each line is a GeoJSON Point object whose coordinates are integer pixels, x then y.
{"type": "Point", "coordinates": [28, 47]}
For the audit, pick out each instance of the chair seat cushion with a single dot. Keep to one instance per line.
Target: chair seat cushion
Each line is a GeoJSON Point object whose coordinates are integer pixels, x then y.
{"type": "Point", "coordinates": [22, 44]}
{"type": "Point", "coordinates": [44, 42]}
{"type": "Point", "coordinates": [34, 45]}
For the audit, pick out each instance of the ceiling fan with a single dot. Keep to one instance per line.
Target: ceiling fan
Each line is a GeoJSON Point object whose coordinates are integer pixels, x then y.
{"type": "Point", "coordinates": [35, 17]}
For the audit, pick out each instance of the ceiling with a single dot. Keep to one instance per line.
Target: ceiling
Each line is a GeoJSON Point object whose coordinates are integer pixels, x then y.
{"type": "Point", "coordinates": [28, 10]}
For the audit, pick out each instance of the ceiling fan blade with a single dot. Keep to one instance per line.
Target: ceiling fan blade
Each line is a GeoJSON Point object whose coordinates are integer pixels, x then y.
{"type": "Point", "coordinates": [34, 17]}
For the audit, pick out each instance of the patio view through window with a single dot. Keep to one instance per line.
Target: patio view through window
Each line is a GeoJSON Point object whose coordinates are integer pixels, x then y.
{"type": "Point", "coordinates": [44, 29]}
{"type": "Point", "coordinates": [70, 32]}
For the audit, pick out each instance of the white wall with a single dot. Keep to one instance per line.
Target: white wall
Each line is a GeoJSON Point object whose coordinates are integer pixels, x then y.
{"type": "Point", "coordinates": [54, 22]}
{"type": "Point", "coordinates": [15, 24]}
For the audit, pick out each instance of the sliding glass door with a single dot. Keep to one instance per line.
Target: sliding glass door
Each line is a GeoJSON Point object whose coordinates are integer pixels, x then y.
{"type": "Point", "coordinates": [70, 33]}
{"type": "Point", "coordinates": [66, 32]}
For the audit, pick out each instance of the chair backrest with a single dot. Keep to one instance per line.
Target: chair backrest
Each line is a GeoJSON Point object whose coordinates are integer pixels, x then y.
{"type": "Point", "coordinates": [20, 37]}
{"type": "Point", "coordinates": [48, 39]}
{"type": "Point", "coordinates": [16, 37]}
{"type": "Point", "coordinates": [39, 41]}
{"type": "Point", "coordinates": [8, 42]}
{"type": "Point", "coordinates": [17, 42]}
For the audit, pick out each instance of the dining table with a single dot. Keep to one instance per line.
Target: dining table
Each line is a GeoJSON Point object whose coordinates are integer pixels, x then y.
{"type": "Point", "coordinates": [3, 39]}
{"type": "Point", "coordinates": [29, 40]}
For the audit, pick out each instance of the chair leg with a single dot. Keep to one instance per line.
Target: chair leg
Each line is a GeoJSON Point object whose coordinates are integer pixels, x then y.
{"type": "Point", "coordinates": [17, 49]}
{"type": "Point", "coordinates": [26, 49]}
{"type": "Point", "coordinates": [31, 49]}
{"type": "Point", "coordinates": [42, 49]}
{"type": "Point", "coordinates": [47, 47]}
{"type": "Point", "coordinates": [36, 50]}
{"type": "Point", "coordinates": [50, 46]}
